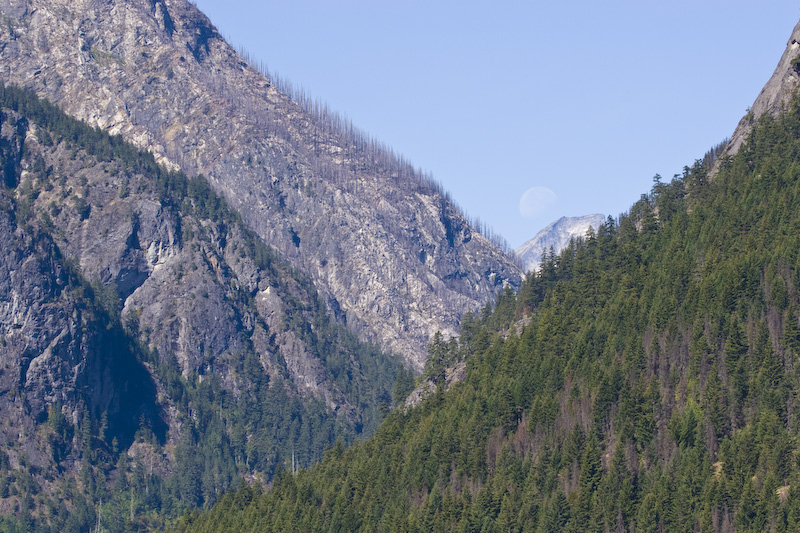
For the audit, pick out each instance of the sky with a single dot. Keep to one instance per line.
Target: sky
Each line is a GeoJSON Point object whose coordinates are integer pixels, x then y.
{"type": "Point", "coordinates": [526, 111]}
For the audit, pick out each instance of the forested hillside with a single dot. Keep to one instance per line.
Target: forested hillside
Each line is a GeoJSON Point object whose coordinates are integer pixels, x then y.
{"type": "Point", "coordinates": [153, 351]}
{"type": "Point", "coordinates": [646, 379]}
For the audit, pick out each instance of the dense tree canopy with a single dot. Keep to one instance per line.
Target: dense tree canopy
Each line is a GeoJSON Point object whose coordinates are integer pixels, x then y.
{"type": "Point", "coordinates": [644, 379]}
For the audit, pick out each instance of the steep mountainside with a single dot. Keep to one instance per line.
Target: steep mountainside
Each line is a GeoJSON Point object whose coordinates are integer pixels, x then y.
{"type": "Point", "coordinates": [55, 342]}
{"type": "Point", "coordinates": [555, 237]}
{"type": "Point", "coordinates": [152, 349]}
{"type": "Point", "coordinates": [776, 94]}
{"type": "Point", "coordinates": [647, 379]}
{"type": "Point", "coordinates": [387, 251]}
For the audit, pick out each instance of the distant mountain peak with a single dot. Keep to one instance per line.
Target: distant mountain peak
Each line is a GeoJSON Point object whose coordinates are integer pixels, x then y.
{"type": "Point", "coordinates": [557, 235]}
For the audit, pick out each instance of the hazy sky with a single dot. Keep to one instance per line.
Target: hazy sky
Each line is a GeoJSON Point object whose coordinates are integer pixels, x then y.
{"type": "Point", "coordinates": [526, 110]}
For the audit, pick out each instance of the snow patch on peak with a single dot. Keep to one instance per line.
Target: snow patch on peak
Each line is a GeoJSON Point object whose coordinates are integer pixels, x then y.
{"type": "Point", "coordinates": [557, 235]}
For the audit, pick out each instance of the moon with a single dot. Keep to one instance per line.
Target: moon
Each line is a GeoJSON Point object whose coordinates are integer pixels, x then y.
{"type": "Point", "coordinates": [535, 201]}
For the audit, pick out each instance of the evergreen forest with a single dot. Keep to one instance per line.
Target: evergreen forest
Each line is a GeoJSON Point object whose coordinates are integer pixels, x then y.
{"type": "Point", "coordinates": [644, 379]}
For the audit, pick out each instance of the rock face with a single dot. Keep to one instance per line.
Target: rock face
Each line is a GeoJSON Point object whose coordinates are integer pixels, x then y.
{"type": "Point", "coordinates": [557, 236]}
{"type": "Point", "coordinates": [389, 254]}
{"type": "Point", "coordinates": [53, 344]}
{"type": "Point", "coordinates": [450, 376]}
{"type": "Point", "coordinates": [775, 94]}
{"type": "Point", "coordinates": [132, 299]}
{"type": "Point", "coordinates": [60, 354]}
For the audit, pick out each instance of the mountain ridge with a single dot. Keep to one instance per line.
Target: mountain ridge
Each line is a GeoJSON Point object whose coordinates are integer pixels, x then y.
{"type": "Point", "coordinates": [306, 183]}
{"type": "Point", "coordinates": [774, 96]}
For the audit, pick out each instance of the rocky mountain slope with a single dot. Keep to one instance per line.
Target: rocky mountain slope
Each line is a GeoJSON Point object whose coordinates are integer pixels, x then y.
{"type": "Point", "coordinates": [144, 326]}
{"type": "Point", "coordinates": [556, 236]}
{"type": "Point", "coordinates": [776, 94]}
{"type": "Point", "coordinates": [388, 252]}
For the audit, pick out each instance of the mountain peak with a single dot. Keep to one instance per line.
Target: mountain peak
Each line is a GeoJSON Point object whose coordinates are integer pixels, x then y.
{"type": "Point", "coordinates": [556, 235]}
{"type": "Point", "coordinates": [775, 95]}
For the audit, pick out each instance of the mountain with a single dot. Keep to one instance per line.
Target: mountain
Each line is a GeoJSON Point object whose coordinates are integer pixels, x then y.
{"type": "Point", "coordinates": [387, 251]}
{"type": "Point", "coordinates": [225, 303]}
{"type": "Point", "coordinates": [776, 95]}
{"type": "Point", "coordinates": [154, 349]}
{"type": "Point", "coordinates": [556, 236]}
{"type": "Point", "coordinates": [645, 379]}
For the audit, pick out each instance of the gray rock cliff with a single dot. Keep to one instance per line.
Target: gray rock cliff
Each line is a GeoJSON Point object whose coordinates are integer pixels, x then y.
{"type": "Point", "coordinates": [55, 349]}
{"type": "Point", "coordinates": [133, 298]}
{"type": "Point", "coordinates": [774, 95]}
{"type": "Point", "coordinates": [387, 251]}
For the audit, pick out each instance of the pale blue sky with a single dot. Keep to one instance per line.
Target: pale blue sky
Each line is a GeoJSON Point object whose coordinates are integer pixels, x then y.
{"type": "Point", "coordinates": [586, 99]}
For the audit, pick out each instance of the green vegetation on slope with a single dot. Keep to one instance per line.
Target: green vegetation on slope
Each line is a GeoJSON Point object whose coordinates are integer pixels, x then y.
{"type": "Point", "coordinates": [645, 379]}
